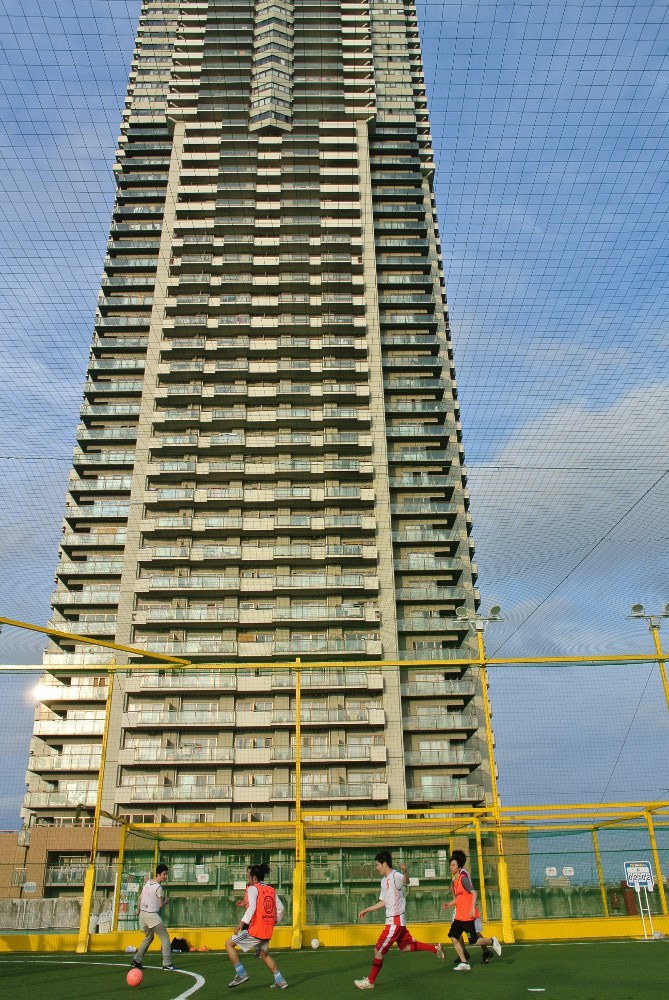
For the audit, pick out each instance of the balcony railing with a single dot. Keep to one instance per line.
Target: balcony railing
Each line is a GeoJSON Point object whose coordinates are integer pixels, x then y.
{"type": "Point", "coordinates": [446, 793]}
{"type": "Point", "coordinates": [439, 758]}
{"type": "Point", "coordinates": [63, 762]}
{"type": "Point", "coordinates": [69, 727]}
{"type": "Point", "coordinates": [59, 800]}
{"type": "Point", "coordinates": [446, 722]}
{"type": "Point", "coordinates": [179, 793]}
{"type": "Point", "coordinates": [419, 689]}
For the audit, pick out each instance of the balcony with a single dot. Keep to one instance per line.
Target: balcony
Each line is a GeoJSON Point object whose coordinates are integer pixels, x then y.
{"type": "Point", "coordinates": [60, 800]}
{"type": "Point", "coordinates": [422, 689]}
{"type": "Point", "coordinates": [374, 791]}
{"type": "Point", "coordinates": [63, 762]}
{"type": "Point", "coordinates": [320, 716]}
{"type": "Point", "coordinates": [69, 727]}
{"type": "Point", "coordinates": [176, 755]}
{"type": "Point", "coordinates": [62, 692]}
{"type": "Point", "coordinates": [173, 793]}
{"type": "Point", "coordinates": [218, 680]}
{"type": "Point", "coordinates": [73, 875]}
{"type": "Point", "coordinates": [160, 718]}
{"type": "Point", "coordinates": [445, 793]}
{"type": "Point", "coordinates": [442, 758]}
{"type": "Point", "coordinates": [446, 722]}
{"type": "Point", "coordinates": [372, 754]}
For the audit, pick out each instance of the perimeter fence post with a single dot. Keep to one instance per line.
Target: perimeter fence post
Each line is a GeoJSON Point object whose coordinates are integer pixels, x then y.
{"type": "Point", "coordinates": [656, 861]}
{"type": "Point", "coordinates": [600, 872]}
{"type": "Point", "coordinates": [89, 879]}
{"type": "Point", "coordinates": [119, 878]}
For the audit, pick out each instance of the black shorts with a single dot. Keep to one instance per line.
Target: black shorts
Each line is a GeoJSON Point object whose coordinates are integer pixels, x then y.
{"type": "Point", "coordinates": [460, 927]}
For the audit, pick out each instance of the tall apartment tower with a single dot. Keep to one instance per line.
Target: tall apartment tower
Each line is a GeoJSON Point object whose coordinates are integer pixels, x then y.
{"type": "Point", "coordinates": [269, 462]}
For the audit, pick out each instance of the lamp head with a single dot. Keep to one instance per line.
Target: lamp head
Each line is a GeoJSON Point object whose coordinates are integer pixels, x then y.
{"type": "Point", "coordinates": [495, 611]}
{"type": "Point", "coordinates": [637, 610]}
{"type": "Point", "coordinates": [461, 612]}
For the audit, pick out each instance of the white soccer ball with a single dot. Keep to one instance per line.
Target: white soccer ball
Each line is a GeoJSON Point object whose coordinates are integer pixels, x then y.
{"type": "Point", "coordinates": [315, 944]}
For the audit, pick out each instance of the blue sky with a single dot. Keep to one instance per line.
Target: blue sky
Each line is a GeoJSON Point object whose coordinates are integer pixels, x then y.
{"type": "Point", "coordinates": [550, 125]}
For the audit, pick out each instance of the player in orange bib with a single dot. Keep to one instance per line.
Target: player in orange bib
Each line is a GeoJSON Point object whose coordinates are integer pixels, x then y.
{"type": "Point", "coordinates": [467, 919]}
{"type": "Point", "coordinates": [264, 909]}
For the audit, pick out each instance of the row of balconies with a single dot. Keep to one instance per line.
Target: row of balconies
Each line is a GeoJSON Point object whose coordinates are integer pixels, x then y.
{"type": "Point", "coordinates": [374, 791]}
{"type": "Point", "coordinates": [230, 680]}
{"type": "Point", "coordinates": [250, 366]}
{"type": "Point", "coordinates": [235, 468]}
{"type": "Point", "coordinates": [288, 648]}
{"type": "Point", "coordinates": [175, 719]}
{"type": "Point", "coordinates": [243, 495]}
{"type": "Point", "coordinates": [295, 442]}
{"type": "Point", "coordinates": [259, 554]}
{"type": "Point", "coordinates": [253, 416]}
{"type": "Point", "coordinates": [292, 523]}
{"type": "Point", "coordinates": [267, 345]}
{"type": "Point", "coordinates": [323, 613]}
{"type": "Point", "coordinates": [263, 584]}
{"type": "Point", "coordinates": [193, 754]}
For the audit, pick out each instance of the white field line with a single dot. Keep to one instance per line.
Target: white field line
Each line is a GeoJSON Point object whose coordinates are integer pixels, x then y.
{"type": "Point", "coordinates": [199, 980]}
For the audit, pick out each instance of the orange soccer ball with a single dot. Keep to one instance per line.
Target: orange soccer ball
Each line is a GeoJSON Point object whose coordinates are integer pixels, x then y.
{"type": "Point", "coordinates": [134, 977]}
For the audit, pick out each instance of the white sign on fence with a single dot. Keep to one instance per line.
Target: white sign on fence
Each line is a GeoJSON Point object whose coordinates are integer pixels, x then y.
{"type": "Point", "coordinates": [638, 873]}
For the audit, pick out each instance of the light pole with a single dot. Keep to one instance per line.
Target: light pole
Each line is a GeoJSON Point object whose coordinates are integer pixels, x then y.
{"type": "Point", "coordinates": [638, 611]}
{"type": "Point", "coordinates": [478, 623]}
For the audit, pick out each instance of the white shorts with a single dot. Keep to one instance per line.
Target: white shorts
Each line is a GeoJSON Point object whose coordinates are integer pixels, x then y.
{"type": "Point", "coordinates": [251, 943]}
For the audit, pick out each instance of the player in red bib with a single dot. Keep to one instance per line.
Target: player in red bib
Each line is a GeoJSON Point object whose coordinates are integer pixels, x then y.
{"type": "Point", "coordinates": [467, 919]}
{"type": "Point", "coordinates": [264, 909]}
{"type": "Point", "coordinates": [395, 930]}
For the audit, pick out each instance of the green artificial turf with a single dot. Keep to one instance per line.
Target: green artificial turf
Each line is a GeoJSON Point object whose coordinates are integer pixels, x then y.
{"type": "Point", "coordinates": [607, 971]}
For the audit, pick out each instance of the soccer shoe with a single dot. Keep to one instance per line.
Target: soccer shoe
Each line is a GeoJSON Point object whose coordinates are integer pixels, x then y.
{"type": "Point", "coordinates": [456, 960]}
{"type": "Point", "coordinates": [364, 984]}
{"type": "Point", "coordinates": [239, 979]}
{"type": "Point", "coordinates": [462, 967]}
{"type": "Point", "coordinates": [439, 951]}
{"type": "Point", "coordinates": [496, 946]}
{"type": "Point", "coordinates": [281, 985]}
{"type": "Point", "coordinates": [486, 957]}
{"type": "Point", "coordinates": [136, 965]}
{"type": "Point", "coordinates": [168, 968]}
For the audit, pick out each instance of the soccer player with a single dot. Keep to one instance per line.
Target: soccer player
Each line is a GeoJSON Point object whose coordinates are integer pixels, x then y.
{"type": "Point", "coordinates": [150, 903]}
{"type": "Point", "coordinates": [254, 931]}
{"type": "Point", "coordinates": [395, 931]}
{"type": "Point", "coordinates": [467, 919]}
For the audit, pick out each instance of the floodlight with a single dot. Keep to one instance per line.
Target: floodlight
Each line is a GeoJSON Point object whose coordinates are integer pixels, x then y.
{"type": "Point", "coordinates": [666, 609]}
{"type": "Point", "coordinates": [495, 611]}
{"type": "Point", "coordinates": [462, 612]}
{"type": "Point", "coordinates": [637, 610]}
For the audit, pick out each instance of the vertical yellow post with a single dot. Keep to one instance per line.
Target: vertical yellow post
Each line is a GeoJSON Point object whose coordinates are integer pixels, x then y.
{"type": "Point", "coordinates": [600, 872]}
{"type": "Point", "coordinates": [119, 877]}
{"type": "Point", "coordinates": [89, 878]}
{"type": "Point", "coordinates": [656, 862]}
{"type": "Point", "coordinates": [479, 855]}
{"type": "Point", "coordinates": [299, 872]}
{"type": "Point", "coordinates": [502, 868]}
{"type": "Point", "coordinates": [655, 632]}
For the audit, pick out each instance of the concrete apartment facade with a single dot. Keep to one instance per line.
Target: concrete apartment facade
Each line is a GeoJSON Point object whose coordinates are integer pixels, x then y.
{"type": "Point", "coordinates": [269, 461]}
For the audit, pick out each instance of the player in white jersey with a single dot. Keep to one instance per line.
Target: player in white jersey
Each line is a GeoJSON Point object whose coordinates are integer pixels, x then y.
{"type": "Point", "coordinates": [395, 931]}
{"type": "Point", "coordinates": [152, 899]}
